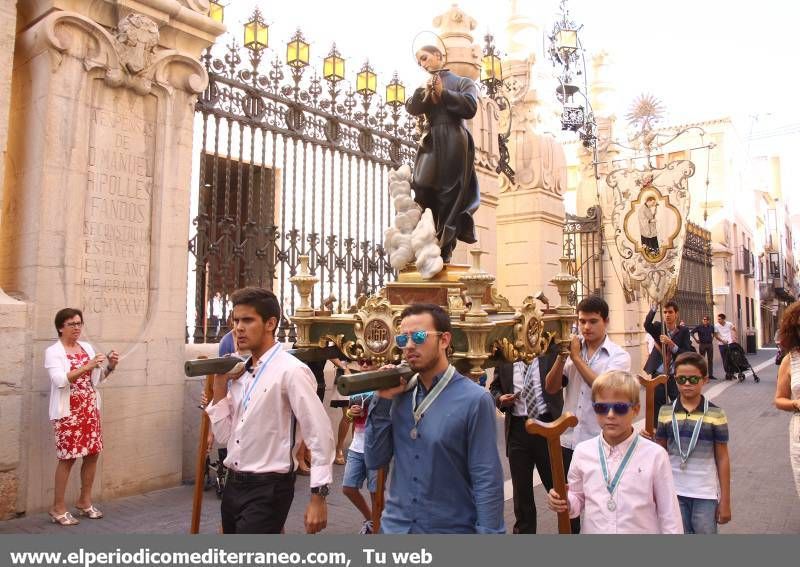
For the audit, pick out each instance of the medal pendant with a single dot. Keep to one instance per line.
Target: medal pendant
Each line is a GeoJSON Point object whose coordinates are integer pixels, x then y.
{"type": "Point", "coordinates": [683, 465]}
{"type": "Point", "coordinates": [611, 505]}
{"type": "Point", "coordinates": [413, 433]}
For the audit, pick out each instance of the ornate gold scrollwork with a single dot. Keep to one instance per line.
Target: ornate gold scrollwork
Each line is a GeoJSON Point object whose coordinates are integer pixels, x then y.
{"type": "Point", "coordinates": [375, 328]}
{"type": "Point", "coordinates": [529, 330]}
{"type": "Point", "coordinates": [350, 349]}
{"type": "Point", "coordinates": [501, 302]}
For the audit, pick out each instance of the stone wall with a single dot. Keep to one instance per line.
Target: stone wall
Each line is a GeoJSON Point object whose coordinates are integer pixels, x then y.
{"type": "Point", "coordinates": [94, 211]}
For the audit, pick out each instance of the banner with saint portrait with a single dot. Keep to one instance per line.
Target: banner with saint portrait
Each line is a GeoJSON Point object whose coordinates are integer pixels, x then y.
{"type": "Point", "coordinates": [649, 215]}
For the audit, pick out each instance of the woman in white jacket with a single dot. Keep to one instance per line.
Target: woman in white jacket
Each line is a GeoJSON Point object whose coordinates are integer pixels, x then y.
{"type": "Point", "coordinates": [75, 370]}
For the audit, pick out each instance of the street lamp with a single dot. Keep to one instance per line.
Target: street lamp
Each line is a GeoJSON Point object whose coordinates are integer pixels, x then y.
{"type": "Point", "coordinates": [395, 92]}
{"type": "Point", "coordinates": [492, 80]}
{"type": "Point", "coordinates": [256, 32]}
{"type": "Point", "coordinates": [333, 66]}
{"type": "Point", "coordinates": [565, 53]}
{"type": "Point", "coordinates": [297, 51]}
{"type": "Point", "coordinates": [216, 11]}
{"type": "Point", "coordinates": [366, 81]}
{"type": "Point", "coordinates": [491, 66]}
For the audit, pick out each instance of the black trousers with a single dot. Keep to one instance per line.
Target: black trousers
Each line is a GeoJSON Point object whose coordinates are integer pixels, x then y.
{"type": "Point", "coordinates": [256, 503]}
{"type": "Point", "coordinates": [707, 350]}
{"type": "Point", "coordinates": [723, 352]}
{"type": "Point", "coordinates": [574, 523]}
{"type": "Point", "coordinates": [525, 453]}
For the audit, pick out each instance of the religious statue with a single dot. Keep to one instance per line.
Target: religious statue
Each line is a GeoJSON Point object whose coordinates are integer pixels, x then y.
{"type": "Point", "coordinates": [444, 178]}
{"type": "Point", "coordinates": [647, 225]}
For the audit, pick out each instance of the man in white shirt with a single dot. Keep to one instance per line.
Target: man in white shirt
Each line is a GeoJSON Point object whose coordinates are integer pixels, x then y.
{"type": "Point", "coordinates": [725, 333]}
{"type": "Point", "coordinates": [590, 354]}
{"type": "Point", "coordinates": [257, 418]}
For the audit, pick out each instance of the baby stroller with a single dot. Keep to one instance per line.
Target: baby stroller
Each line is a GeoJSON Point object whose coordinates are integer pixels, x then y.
{"type": "Point", "coordinates": [736, 363]}
{"type": "Point", "coordinates": [215, 472]}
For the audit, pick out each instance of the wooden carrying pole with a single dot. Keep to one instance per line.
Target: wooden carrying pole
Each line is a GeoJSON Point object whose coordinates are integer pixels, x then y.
{"type": "Point", "coordinates": [200, 470]}
{"type": "Point", "coordinates": [377, 507]}
{"type": "Point", "coordinates": [552, 433]}
{"type": "Point", "coordinates": [650, 385]}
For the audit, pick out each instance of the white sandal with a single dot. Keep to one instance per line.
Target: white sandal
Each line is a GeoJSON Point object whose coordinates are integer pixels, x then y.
{"type": "Point", "coordinates": [91, 512]}
{"type": "Point", "coordinates": [65, 519]}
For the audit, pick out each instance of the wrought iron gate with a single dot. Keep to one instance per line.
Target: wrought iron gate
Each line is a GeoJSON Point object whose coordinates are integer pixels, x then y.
{"type": "Point", "coordinates": [583, 245]}
{"type": "Point", "coordinates": [290, 164]}
{"type": "Point", "coordinates": [694, 282]}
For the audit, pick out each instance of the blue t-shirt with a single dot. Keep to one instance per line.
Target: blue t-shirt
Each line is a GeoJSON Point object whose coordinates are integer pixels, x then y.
{"type": "Point", "coordinates": [226, 344]}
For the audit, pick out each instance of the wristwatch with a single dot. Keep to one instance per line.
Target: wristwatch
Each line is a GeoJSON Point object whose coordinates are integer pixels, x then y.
{"type": "Point", "coordinates": [323, 490]}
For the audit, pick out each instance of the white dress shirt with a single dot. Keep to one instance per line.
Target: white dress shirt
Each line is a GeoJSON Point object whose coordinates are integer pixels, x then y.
{"type": "Point", "coordinates": [261, 436]}
{"type": "Point", "coordinates": [578, 394]}
{"type": "Point", "coordinates": [645, 497]}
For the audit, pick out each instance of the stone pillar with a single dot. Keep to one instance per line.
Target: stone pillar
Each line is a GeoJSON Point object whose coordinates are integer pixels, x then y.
{"type": "Point", "coordinates": [463, 58]}
{"type": "Point", "coordinates": [95, 211]}
{"type": "Point", "coordinates": [530, 212]}
{"type": "Point", "coordinates": [14, 314]}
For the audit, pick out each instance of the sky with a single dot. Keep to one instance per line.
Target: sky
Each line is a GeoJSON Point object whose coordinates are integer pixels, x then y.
{"type": "Point", "coordinates": [703, 59]}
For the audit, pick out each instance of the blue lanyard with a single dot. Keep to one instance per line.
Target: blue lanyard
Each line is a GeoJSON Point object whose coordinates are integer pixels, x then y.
{"type": "Point", "coordinates": [612, 485]}
{"type": "Point", "coordinates": [249, 392]}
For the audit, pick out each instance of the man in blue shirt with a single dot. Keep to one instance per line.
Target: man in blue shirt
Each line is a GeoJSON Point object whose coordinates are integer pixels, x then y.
{"type": "Point", "coordinates": [440, 429]}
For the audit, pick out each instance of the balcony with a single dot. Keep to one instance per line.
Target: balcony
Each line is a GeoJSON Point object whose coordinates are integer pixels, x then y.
{"type": "Point", "coordinates": [746, 263]}
{"type": "Point", "coordinates": [773, 242]}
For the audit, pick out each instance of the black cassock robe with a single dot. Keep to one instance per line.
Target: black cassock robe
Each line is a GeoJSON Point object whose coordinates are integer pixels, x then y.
{"type": "Point", "coordinates": [444, 177]}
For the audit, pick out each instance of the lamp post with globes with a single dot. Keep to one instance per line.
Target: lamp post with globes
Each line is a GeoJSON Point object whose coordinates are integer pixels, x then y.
{"type": "Point", "coordinates": [566, 54]}
{"type": "Point", "coordinates": [493, 82]}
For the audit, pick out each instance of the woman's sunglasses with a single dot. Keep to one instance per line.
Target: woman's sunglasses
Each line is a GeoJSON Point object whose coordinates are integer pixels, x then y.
{"type": "Point", "coordinates": [620, 408]}
{"type": "Point", "coordinates": [691, 379]}
{"type": "Point", "coordinates": [418, 337]}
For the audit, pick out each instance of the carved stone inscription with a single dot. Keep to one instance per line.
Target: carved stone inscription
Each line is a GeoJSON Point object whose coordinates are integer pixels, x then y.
{"type": "Point", "coordinates": [117, 222]}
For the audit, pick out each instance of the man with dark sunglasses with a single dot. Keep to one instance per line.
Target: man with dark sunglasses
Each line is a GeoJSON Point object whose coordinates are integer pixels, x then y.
{"type": "Point", "coordinates": [590, 355]}
{"type": "Point", "coordinates": [694, 432]}
{"type": "Point", "coordinates": [440, 429]}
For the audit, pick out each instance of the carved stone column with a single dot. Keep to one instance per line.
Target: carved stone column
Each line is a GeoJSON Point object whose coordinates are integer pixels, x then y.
{"type": "Point", "coordinates": [530, 213]}
{"type": "Point", "coordinates": [95, 216]}
{"type": "Point", "coordinates": [455, 28]}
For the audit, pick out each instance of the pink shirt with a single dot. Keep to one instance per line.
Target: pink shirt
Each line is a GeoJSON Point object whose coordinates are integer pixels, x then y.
{"type": "Point", "coordinates": [645, 498]}
{"type": "Point", "coordinates": [259, 436]}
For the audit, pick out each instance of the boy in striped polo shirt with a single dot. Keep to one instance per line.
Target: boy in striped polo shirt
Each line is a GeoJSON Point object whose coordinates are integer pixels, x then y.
{"type": "Point", "coordinates": [695, 433]}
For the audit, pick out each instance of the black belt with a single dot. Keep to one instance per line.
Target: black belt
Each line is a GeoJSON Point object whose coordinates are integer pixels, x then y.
{"type": "Point", "coordinates": [253, 477]}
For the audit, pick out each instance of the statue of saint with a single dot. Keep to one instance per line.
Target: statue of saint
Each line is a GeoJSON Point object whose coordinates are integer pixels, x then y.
{"type": "Point", "coordinates": [648, 227]}
{"type": "Point", "coordinates": [444, 179]}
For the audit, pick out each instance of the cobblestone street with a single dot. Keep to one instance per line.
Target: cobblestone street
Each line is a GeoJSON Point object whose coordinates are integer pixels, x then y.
{"type": "Point", "coordinates": [763, 495]}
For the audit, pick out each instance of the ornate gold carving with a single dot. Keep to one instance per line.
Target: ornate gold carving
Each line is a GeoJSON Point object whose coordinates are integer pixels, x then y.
{"type": "Point", "coordinates": [348, 348]}
{"type": "Point", "coordinates": [377, 335]}
{"type": "Point", "coordinates": [375, 328]}
{"type": "Point", "coordinates": [528, 332]}
{"type": "Point", "coordinates": [501, 302]}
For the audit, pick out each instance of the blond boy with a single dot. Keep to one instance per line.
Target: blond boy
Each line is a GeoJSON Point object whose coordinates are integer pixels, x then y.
{"type": "Point", "coordinates": [619, 482]}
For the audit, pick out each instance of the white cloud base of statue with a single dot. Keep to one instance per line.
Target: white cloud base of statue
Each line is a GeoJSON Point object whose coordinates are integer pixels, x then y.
{"type": "Point", "coordinates": [413, 234]}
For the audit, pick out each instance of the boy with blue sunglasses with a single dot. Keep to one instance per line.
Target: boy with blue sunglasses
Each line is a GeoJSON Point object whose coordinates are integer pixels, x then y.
{"type": "Point", "coordinates": [695, 433]}
{"type": "Point", "coordinates": [619, 482]}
